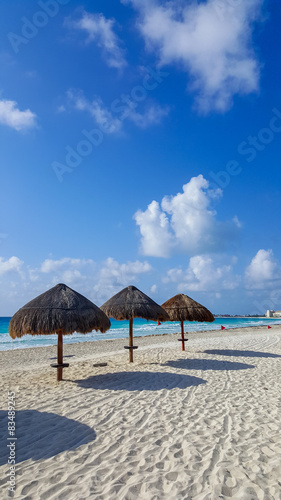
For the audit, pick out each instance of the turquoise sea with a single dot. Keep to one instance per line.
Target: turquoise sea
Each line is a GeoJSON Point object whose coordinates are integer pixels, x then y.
{"type": "Point", "coordinates": [119, 329]}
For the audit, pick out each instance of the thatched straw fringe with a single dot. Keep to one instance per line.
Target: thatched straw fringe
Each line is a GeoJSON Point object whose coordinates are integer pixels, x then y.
{"type": "Point", "coordinates": [183, 308]}
{"type": "Point", "coordinates": [132, 303]}
{"type": "Point", "coordinates": [58, 309]}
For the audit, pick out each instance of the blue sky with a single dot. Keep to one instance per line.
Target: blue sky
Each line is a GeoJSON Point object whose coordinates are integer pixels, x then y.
{"type": "Point", "coordinates": [140, 144]}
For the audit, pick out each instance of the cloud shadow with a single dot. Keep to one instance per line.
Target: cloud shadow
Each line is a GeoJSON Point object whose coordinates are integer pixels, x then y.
{"type": "Point", "coordinates": [65, 356]}
{"type": "Point", "coordinates": [246, 354]}
{"type": "Point", "coordinates": [207, 364]}
{"type": "Point", "coordinates": [139, 381]}
{"type": "Point", "coordinates": [42, 435]}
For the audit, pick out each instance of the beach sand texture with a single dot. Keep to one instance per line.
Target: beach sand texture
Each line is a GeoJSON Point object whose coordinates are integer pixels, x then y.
{"type": "Point", "coordinates": [203, 424]}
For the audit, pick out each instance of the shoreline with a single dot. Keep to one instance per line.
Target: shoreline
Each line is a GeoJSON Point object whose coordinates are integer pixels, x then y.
{"type": "Point", "coordinates": [93, 349]}
{"type": "Point", "coordinates": [136, 336]}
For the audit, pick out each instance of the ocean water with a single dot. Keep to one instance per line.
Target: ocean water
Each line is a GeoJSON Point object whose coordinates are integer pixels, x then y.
{"type": "Point", "coordinates": [119, 330]}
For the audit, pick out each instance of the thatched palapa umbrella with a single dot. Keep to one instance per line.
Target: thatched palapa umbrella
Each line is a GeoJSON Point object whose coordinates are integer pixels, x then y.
{"type": "Point", "coordinates": [183, 308]}
{"type": "Point", "coordinates": [60, 310]}
{"type": "Point", "coordinates": [132, 303]}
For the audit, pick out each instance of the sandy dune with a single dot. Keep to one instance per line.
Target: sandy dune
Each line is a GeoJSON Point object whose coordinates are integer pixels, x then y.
{"type": "Point", "coordinates": [202, 425]}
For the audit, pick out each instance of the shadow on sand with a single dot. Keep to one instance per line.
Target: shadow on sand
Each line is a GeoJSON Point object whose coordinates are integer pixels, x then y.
{"type": "Point", "coordinates": [42, 435]}
{"type": "Point", "coordinates": [207, 364]}
{"type": "Point", "coordinates": [140, 381]}
{"type": "Point", "coordinates": [246, 354]}
{"type": "Point", "coordinates": [65, 356]}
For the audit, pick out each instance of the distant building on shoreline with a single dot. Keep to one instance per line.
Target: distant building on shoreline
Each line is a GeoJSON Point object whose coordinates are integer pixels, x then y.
{"type": "Point", "coordinates": [273, 314]}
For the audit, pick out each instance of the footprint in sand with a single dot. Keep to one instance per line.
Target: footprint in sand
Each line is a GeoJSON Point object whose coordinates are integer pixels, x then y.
{"type": "Point", "coordinates": [56, 479]}
{"type": "Point", "coordinates": [179, 454]}
{"type": "Point", "coordinates": [29, 487]}
{"type": "Point", "coordinates": [267, 451]}
{"type": "Point", "coordinates": [226, 491]}
{"type": "Point", "coordinates": [171, 476]}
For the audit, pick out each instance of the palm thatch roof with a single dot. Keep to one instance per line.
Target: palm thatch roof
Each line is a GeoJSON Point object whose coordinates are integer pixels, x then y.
{"type": "Point", "coordinates": [183, 308]}
{"type": "Point", "coordinates": [60, 309]}
{"type": "Point", "coordinates": [132, 303]}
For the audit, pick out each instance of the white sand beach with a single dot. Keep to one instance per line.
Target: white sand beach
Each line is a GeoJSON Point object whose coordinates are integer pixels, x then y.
{"type": "Point", "coordinates": [203, 424]}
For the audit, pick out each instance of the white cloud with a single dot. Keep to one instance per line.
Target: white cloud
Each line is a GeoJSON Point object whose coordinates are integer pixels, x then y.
{"type": "Point", "coordinates": [211, 41]}
{"type": "Point", "coordinates": [184, 223]}
{"type": "Point", "coordinates": [237, 222]}
{"type": "Point", "coordinates": [156, 237]}
{"type": "Point", "coordinates": [101, 31]}
{"type": "Point", "coordinates": [61, 109]}
{"type": "Point", "coordinates": [263, 272]}
{"type": "Point", "coordinates": [98, 282]}
{"type": "Point", "coordinates": [110, 124]}
{"type": "Point", "coordinates": [50, 265]}
{"type": "Point", "coordinates": [66, 270]}
{"type": "Point", "coordinates": [71, 275]}
{"type": "Point", "coordinates": [11, 116]}
{"type": "Point", "coordinates": [152, 115]}
{"type": "Point", "coordinates": [114, 276]}
{"type": "Point", "coordinates": [102, 116]}
{"type": "Point", "coordinates": [33, 275]}
{"type": "Point", "coordinates": [205, 274]}
{"type": "Point", "coordinates": [11, 264]}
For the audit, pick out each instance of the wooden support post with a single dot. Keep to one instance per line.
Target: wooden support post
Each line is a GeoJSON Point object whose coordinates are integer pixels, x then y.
{"type": "Point", "coordinates": [131, 340]}
{"type": "Point", "coordinates": [60, 357]}
{"type": "Point", "coordinates": [182, 336]}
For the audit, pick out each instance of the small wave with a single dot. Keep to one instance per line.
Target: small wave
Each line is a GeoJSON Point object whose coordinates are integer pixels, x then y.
{"type": "Point", "coordinates": [119, 330]}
